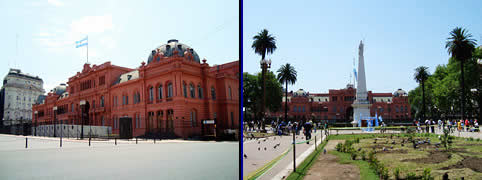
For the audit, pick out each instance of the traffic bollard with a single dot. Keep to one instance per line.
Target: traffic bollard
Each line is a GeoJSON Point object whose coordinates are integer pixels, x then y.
{"type": "Point", "coordinates": [136, 140]}
{"type": "Point", "coordinates": [89, 141]}
{"type": "Point", "coordinates": [154, 140]}
{"type": "Point", "coordinates": [315, 144]}
{"type": "Point", "coordinates": [26, 142]}
{"type": "Point", "coordinates": [60, 141]}
{"type": "Point", "coordinates": [115, 141]}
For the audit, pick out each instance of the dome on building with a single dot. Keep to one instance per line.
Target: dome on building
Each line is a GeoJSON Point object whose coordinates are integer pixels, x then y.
{"type": "Point", "coordinates": [300, 92]}
{"type": "Point", "coordinates": [399, 93]}
{"type": "Point", "coordinates": [60, 89]}
{"type": "Point", "coordinates": [167, 50]}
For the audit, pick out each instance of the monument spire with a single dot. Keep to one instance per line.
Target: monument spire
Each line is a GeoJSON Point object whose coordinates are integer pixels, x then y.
{"type": "Point", "coordinates": [361, 106]}
{"type": "Point", "coordinates": [361, 89]}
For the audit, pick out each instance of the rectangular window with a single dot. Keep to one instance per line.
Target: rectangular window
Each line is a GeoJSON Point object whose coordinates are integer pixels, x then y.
{"type": "Point", "coordinates": [103, 123]}
{"type": "Point", "coordinates": [101, 80]}
{"type": "Point", "coordinates": [159, 91]}
{"type": "Point", "coordinates": [123, 100]}
{"type": "Point", "coordinates": [127, 100]}
{"type": "Point", "coordinates": [232, 119]}
{"type": "Point", "coordinates": [102, 101]}
{"type": "Point", "coordinates": [169, 90]}
{"type": "Point", "coordinates": [151, 94]}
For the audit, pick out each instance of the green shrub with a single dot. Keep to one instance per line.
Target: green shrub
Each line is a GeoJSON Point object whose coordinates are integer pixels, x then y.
{"type": "Point", "coordinates": [426, 174]}
{"type": "Point", "coordinates": [446, 139]}
{"type": "Point", "coordinates": [371, 156]}
{"type": "Point", "coordinates": [353, 155]}
{"type": "Point", "coordinates": [357, 140]}
{"type": "Point", "coordinates": [339, 147]}
{"type": "Point", "coordinates": [411, 176]}
{"type": "Point", "coordinates": [396, 173]}
{"type": "Point", "coordinates": [363, 155]}
{"type": "Point", "coordinates": [384, 173]}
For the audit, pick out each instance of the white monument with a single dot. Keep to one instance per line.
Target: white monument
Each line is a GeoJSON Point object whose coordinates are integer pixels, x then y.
{"type": "Point", "coordinates": [361, 106]}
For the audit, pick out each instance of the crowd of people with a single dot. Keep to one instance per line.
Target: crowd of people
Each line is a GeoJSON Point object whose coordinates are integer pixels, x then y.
{"type": "Point", "coordinates": [285, 128]}
{"type": "Point", "coordinates": [452, 125]}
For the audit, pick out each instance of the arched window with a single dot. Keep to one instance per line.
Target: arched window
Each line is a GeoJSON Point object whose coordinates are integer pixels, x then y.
{"type": "Point", "coordinates": [159, 92]}
{"type": "Point", "coordinates": [200, 91]}
{"type": "Point", "coordinates": [151, 94]}
{"type": "Point", "coordinates": [193, 118]}
{"type": "Point", "coordinates": [184, 89]}
{"type": "Point", "coordinates": [191, 89]}
{"type": "Point", "coordinates": [169, 90]}
{"type": "Point", "coordinates": [230, 95]}
{"type": "Point", "coordinates": [213, 93]}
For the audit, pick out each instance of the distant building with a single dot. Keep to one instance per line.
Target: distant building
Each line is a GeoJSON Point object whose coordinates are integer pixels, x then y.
{"type": "Point", "coordinates": [173, 94]}
{"type": "Point", "coordinates": [336, 105]}
{"type": "Point", "coordinates": [18, 93]}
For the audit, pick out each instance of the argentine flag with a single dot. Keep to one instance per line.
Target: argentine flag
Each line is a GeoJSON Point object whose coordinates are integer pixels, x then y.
{"type": "Point", "coordinates": [354, 72]}
{"type": "Point", "coordinates": [82, 42]}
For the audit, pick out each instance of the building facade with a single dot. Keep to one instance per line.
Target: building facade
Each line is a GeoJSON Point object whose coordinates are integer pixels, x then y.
{"type": "Point", "coordinates": [18, 93]}
{"type": "Point", "coordinates": [336, 106]}
{"type": "Point", "coordinates": [174, 93]}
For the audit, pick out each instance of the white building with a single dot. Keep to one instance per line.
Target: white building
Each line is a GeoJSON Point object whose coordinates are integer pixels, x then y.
{"type": "Point", "coordinates": [18, 93]}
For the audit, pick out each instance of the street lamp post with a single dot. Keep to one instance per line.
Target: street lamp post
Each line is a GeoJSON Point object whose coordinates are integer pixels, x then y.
{"type": "Point", "coordinates": [82, 103]}
{"type": "Point", "coordinates": [36, 118]}
{"type": "Point", "coordinates": [265, 64]}
{"type": "Point", "coordinates": [55, 120]}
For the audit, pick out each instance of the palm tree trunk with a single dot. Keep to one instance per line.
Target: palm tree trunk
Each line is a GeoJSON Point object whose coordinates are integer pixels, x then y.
{"type": "Point", "coordinates": [286, 102]}
{"type": "Point", "coordinates": [462, 84]}
{"type": "Point", "coordinates": [423, 101]}
{"type": "Point", "coordinates": [286, 118]}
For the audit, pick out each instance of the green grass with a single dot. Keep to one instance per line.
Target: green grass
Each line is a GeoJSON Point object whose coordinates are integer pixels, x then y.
{"type": "Point", "coordinates": [307, 163]}
{"type": "Point", "coordinates": [365, 171]}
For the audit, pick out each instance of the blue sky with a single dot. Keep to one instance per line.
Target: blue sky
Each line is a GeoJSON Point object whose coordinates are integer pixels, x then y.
{"type": "Point", "coordinates": [123, 32]}
{"type": "Point", "coordinates": [321, 38]}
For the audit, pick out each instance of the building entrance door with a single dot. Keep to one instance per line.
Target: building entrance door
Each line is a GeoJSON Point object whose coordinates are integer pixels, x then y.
{"type": "Point", "coordinates": [125, 128]}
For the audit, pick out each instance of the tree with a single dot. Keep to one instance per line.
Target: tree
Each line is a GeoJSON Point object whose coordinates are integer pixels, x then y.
{"type": "Point", "coordinates": [421, 75]}
{"type": "Point", "coordinates": [263, 44]}
{"type": "Point", "coordinates": [460, 46]}
{"type": "Point", "coordinates": [252, 94]}
{"type": "Point", "coordinates": [287, 74]}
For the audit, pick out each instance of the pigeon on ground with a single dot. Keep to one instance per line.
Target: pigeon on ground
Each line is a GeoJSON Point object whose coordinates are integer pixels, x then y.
{"type": "Point", "coordinates": [245, 157]}
{"type": "Point", "coordinates": [259, 148]}
{"type": "Point", "coordinates": [265, 148]}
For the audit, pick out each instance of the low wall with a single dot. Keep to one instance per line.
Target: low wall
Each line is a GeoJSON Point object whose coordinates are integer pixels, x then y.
{"type": "Point", "coordinates": [66, 130]}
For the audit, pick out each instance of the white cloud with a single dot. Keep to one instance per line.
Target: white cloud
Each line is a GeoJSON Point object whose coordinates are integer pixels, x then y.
{"type": "Point", "coordinates": [58, 40]}
{"type": "Point", "coordinates": [92, 24]}
{"type": "Point", "coordinates": [55, 2]}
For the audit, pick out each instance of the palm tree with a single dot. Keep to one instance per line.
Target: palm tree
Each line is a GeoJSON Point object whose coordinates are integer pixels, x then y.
{"type": "Point", "coordinates": [263, 44]}
{"type": "Point", "coordinates": [287, 75]}
{"type": "Point", "coordinates": [421, 75]}
{"type": "Point", "coordinates": [460, 46]}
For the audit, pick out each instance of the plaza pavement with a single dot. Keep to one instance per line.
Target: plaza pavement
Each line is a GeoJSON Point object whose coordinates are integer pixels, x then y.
{"type": "Point", "coordinates": [258, 158]}
{"type": "Point", "coordinates": [167, 159]}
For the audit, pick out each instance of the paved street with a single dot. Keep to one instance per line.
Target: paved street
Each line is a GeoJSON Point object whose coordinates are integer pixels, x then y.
{"type": "Point", "coordinates": [167, 159]}
{"type": "Point", "coordinates": [258, 158]}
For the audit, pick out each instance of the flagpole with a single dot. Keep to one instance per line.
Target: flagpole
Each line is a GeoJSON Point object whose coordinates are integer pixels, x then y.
{"type": "Point", "coordinates": [87, 49]}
